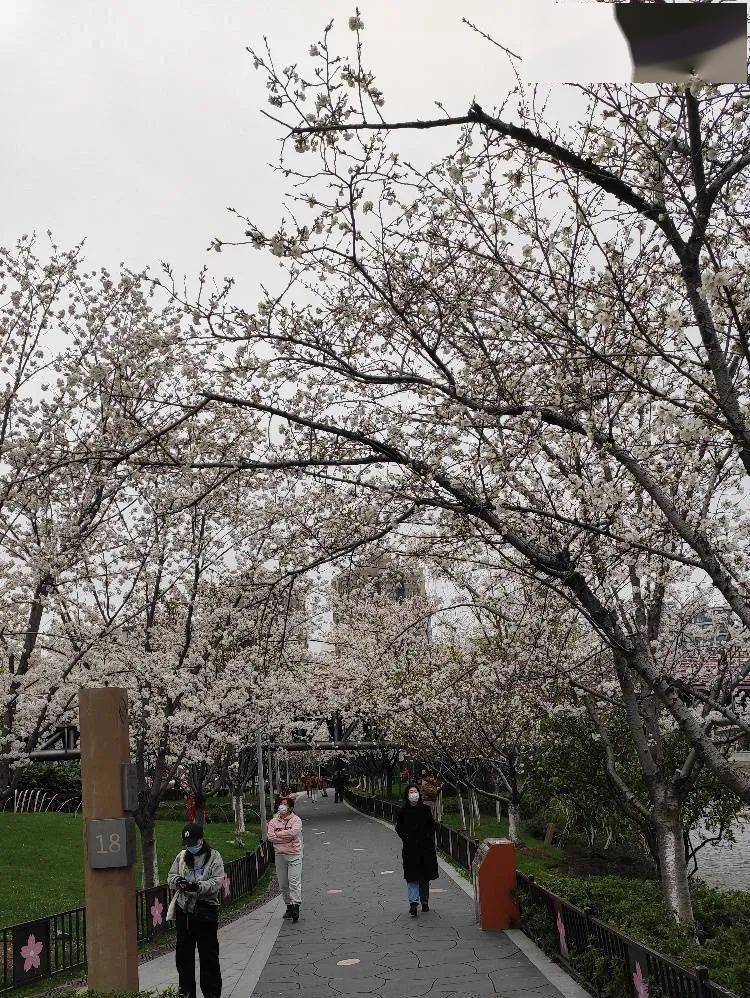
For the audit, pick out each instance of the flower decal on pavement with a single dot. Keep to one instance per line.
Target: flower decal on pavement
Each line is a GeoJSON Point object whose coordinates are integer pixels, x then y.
{"type": "Point", "coordinates": [31, 953]}
{"type": "Point", "coordinates": [156, 909]}
{"type": "Point", "coordinates": [227, 884]}
{"type": "Point", "coordinates": [561, 933]}
{"type": "Point", "coordinates": [639, 982]}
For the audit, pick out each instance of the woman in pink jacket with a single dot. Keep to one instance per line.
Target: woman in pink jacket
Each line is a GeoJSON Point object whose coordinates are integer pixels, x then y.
{"type": "Point", "coordinates": [285, 835]}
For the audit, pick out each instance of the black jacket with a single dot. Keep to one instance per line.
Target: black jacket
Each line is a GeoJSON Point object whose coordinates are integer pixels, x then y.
{"type": "Point", "coordinates": [415, 826]}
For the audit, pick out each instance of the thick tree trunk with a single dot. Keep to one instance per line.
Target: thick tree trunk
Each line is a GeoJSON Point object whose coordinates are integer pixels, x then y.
{"type": "Point", "coordinates": [239, 814]}
{"type": "Point", "coordinates": [5, 775]}
{"type": "Point", "coordinates": [672, 865]}
{"type": "Point", "coordinates": [514, 822]}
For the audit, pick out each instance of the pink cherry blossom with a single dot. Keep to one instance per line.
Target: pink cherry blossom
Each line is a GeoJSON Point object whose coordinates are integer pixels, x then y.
{"type": "Point", "coordinates": [31, 954]}
{"type": "Point", "coordinates": [226, 883]}
{"type": "Point", "coordinates": [639, 982]}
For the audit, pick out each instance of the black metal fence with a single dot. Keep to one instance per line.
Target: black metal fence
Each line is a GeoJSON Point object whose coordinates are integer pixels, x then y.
{"type": "Point", "coordinates": [575, 930]}
{"type": "Point", "coordinates": [54, 944]}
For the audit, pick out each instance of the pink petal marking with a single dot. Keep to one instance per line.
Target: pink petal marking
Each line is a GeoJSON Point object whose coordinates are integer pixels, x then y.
{"type": "Point", "coordinates": [561, 933]}
{"type": "Point", "coordinates": [641, 987]}
{"type": "Point", "coordinates": [31, 953]}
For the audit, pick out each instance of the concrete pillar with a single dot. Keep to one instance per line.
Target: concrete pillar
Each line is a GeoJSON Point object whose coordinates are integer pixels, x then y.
{"type": "Point", "coordinates": [111, 930]}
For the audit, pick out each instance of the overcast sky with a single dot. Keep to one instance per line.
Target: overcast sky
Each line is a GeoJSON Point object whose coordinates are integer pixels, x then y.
{"type": "Point", "coordinates": [135, 125]}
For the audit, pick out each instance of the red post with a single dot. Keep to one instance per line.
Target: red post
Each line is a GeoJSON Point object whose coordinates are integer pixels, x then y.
{"type": "Point", "coordinates": [494, 872]}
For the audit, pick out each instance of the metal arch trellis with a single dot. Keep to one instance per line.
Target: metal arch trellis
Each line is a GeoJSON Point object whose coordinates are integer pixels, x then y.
{"type": "Point", "coordinates": [63, 744]}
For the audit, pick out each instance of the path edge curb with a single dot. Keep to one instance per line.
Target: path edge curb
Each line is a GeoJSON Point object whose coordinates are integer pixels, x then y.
{"type": "Point", "coordinates": [264, 947]}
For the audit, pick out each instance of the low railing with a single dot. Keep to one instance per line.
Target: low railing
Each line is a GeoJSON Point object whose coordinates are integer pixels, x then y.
{"type": "Point", "coordinates": [54, 944]}
{"type": "Point", "coordinates": [643, 970]}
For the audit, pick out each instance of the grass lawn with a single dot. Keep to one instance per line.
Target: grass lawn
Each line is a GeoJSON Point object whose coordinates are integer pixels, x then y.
{"type": "Point", "coordinates": [535, 859]}
{"type": "Point", "coordinates": [42, 858]}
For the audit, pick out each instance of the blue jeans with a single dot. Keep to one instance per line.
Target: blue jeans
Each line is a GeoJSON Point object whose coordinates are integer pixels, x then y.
{"type": "Point", "coordinates": [419, 890]}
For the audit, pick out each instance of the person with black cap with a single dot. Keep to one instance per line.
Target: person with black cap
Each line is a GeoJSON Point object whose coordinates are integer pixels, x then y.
{"type": "Point", "coordinates": [196, 879]}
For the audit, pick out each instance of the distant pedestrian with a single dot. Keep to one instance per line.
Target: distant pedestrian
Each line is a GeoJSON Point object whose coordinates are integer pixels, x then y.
{"type": "Point", "coordinates": [415, 826]}
{"type": "Point", "coordinates": [339, 786]}
{"type": "Point", "coordinates": [431, 788]}
{"type": "Point", "coordinates": [311, 787]}
{"type": "Point", "coordinates": [285, 835]}
{"type": "Point", "coordinates": [196, 878]}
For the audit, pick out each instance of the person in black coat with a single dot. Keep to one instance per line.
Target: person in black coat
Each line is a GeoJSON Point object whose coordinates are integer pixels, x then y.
{"type": "Point", "coordinates": [415, 826]}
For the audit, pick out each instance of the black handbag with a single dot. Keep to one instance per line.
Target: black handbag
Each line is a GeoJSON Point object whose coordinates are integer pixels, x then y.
{"type": "Point", "coordinates": [205, 912]}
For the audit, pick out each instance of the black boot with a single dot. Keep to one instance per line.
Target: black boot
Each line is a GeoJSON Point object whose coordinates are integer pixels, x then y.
{"type": "Point", "coordinates": [425, 906]}
{"type": "Point", "coordinates": [413, 909]}
{"type": "Point", "coordinates": [295, 913]}
{"type": "Point", "coordinates": [289, 911]}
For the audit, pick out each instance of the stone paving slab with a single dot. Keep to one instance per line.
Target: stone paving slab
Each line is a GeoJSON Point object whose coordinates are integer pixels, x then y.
{"type": "Point", "coordinates": [441, 953]}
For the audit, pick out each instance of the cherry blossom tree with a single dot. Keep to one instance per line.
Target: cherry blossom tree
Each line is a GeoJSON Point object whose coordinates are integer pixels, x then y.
{"type": "Point", "coordinates": [70, 340]}
{"type": "Point", "coordinates": [487, 338]}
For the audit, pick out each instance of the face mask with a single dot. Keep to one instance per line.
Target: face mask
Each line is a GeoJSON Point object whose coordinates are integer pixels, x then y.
{"type": "Point", "coordinates": [283, 809]}
{"type": "Point", "coordinates": [195, 849]}
{"type": "Point", "coordinates": [413, 798]}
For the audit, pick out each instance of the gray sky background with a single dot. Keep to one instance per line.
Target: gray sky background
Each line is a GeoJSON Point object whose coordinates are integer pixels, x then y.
{"type": "Point", "coordinates": [136, 125]}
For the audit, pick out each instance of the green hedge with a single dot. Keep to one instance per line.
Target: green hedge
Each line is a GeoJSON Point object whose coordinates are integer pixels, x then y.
{"type": "Point", "coordinates": [636, 908]}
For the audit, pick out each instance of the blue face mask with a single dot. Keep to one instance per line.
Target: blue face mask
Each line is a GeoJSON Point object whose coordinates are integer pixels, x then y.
{"type": "Point", "coordinates": [195, 849]}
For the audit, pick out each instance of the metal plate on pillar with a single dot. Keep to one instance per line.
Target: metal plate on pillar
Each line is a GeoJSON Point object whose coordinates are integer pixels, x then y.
{"type": "Point", "coordinates": [111, 842]}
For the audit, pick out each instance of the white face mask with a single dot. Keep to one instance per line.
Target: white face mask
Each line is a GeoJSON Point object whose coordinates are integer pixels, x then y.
{"type": "Point", "coordinates": [283, 809]}
{"type": "Point", "coordinates": [413, 797]}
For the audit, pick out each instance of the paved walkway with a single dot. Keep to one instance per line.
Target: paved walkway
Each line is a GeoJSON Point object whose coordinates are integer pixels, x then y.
{"type": "Point", "coordinates": [355, 936]}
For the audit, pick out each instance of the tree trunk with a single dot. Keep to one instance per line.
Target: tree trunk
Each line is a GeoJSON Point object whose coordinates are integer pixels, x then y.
{"type": "Point", "coordinates": [514, 822]}
{"type": "Point", "coordinates": [239, 814]}
{"type": "Point", "coordinates": [475, 807]}
{"type": "Point", "coordinates": [672, 865]}
{"type": "Point", "coordinates": [461, 808]}
{"type": "Point", "coordinates": [148, 851]}
{"type": "Point", "coordinates": [498, 810]}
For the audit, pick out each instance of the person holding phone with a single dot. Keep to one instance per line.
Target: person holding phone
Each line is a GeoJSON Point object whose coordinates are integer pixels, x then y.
{"type": "Point", "coordinates": [196, 879]}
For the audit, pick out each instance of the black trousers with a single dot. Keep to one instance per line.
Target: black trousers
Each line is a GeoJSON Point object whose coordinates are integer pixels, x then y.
{"type": "Point", "coordinates": [205, 935]}
{"type": "Point", "coordinates": [339, 795]}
